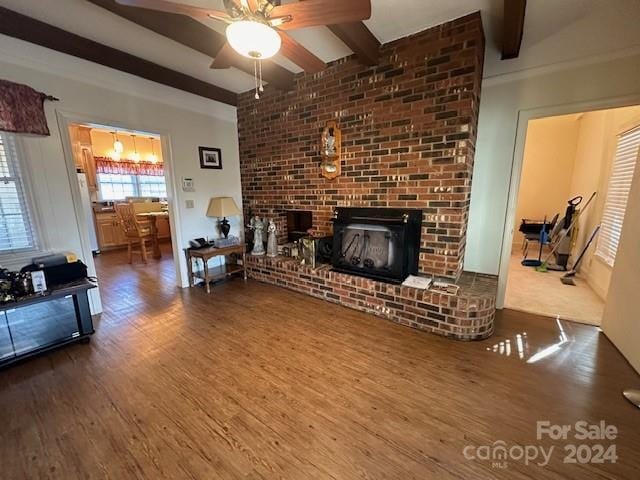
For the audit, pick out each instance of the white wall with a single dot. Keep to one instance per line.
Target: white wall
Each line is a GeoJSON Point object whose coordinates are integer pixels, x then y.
{"type": "Point", "coordinates": [621, 319]}
{"type": "Point", "coordinates": [547, 170]}
{"type": "Point", "coordinates": [577, 87]}
{"type": "Point", "coordinates": [591, 172]}
{"type": "Point", "coordinates": [594, 157]}
{"type": "Point", "coordinates": [92, 92]}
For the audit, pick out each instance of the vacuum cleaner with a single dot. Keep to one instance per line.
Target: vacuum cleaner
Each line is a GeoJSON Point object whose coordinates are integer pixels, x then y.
{"type": "Point", "coordinates": [560, 235]}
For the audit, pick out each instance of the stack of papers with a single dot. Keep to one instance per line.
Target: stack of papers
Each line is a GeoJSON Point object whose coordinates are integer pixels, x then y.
{"type": "Point", "coordinates": [417, 282]}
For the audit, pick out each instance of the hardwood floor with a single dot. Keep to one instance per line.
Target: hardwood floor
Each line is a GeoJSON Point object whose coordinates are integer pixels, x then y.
{"type": "Point", "coordinates": [256, 382]}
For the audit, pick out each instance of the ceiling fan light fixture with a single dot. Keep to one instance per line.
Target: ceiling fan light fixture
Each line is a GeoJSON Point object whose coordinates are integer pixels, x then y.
{"type": "Point", "coordinates": [253, 39]}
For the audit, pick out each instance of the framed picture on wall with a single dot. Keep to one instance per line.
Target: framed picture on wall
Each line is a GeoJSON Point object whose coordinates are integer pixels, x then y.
{"type": "Point", "coordinates": [210, 157]}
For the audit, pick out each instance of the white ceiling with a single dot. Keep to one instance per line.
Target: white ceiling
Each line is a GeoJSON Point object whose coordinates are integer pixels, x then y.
{"type": "Point", "coordinates": [555, 31]}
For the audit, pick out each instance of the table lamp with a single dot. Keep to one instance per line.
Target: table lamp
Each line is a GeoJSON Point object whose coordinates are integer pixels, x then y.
{"type": "Point", "coordinates": [223, 207]}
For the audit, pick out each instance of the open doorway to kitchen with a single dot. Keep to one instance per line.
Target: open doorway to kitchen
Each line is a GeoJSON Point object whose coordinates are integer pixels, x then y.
{"type": "Point", "coordinates": [123, 190]}
{"type": "Point", "coordinates": [575, 180]}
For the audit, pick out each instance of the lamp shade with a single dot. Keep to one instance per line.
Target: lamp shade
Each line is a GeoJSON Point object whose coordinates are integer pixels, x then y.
{"type": "Point", "coordinates": [253, 40]}
{"type": "Point", "coordinates": [222, 207]}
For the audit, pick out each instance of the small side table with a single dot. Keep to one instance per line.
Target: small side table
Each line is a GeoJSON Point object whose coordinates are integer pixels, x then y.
{"type": "Point", "coordinates": [209, 274]}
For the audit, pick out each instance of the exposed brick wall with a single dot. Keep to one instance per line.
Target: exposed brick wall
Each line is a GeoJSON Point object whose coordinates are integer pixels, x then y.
{"type": "Point", "coordinates": [469, 315]}
{"type": "Point", "coordinates": [408, 136]}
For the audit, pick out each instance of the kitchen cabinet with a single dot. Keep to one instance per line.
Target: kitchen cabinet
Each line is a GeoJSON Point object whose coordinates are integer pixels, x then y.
{"type": "Point", "coordinates": [83, 154]}
{"type": "Point", "coordinates": [109, 232]}
{"type": "Point", "coordinates": [111, 235]}
{"type": "Point", "coordinates": [164, 231]}
{"type": "Point", "coordinates": [75, 145]}
{"type": "Point", "coordinates": [89, 167]}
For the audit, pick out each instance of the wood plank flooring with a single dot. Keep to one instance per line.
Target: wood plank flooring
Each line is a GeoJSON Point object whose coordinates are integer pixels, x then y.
{"type": "Point", "coordinates": [256, 382]}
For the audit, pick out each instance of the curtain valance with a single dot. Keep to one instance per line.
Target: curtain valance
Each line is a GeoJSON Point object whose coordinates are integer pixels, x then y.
{"type": "Point", "coordinates": [128, 167]}
{"type": "Point", "coordinates": [22, 109]}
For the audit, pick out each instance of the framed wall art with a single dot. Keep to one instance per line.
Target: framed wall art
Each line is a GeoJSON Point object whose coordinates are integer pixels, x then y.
{"type": "Point", "coordinates": [210, 157]}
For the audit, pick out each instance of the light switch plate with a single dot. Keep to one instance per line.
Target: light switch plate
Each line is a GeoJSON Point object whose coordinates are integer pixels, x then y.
{"type": "Point", "coordinates": [189, 203]}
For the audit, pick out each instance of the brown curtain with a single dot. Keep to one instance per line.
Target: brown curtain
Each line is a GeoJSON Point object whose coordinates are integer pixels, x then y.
{"type": "Point", "coordinates": [22, 109]}
{"type": "Point", "coordinates": [128, 167]}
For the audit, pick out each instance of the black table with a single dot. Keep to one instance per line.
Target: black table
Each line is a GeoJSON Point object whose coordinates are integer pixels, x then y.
{"type": "Point", "coordinates": [39, 323]}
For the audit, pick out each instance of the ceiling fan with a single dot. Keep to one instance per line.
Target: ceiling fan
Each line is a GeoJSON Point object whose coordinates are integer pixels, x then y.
{"type": "Point", "coordinates": [256, 29]}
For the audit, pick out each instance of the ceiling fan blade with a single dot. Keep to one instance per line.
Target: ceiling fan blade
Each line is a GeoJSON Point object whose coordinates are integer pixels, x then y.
{"type": "Point", "coordinates": [224, 58]}
{"type": "Point", "coordinates": [300, 55]}
{"type": "Point", "coordinates": [179, 8]}
{"type": "Point", "coordinates": [311, 13]}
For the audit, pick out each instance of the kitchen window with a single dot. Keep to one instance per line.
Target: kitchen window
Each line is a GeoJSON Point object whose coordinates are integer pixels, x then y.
{"type": "Point", "coordinates": [18, 232]}
{"type": "Point", "coordinates": [114, 186]}
{"type": "Point", "coordinates": [152, 186]}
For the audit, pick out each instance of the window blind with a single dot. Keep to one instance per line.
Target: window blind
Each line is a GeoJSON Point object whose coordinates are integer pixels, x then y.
{"type": "Point", "coordinates": [17, 229]}
{"type": "Point", "coordinates": [624, 163]}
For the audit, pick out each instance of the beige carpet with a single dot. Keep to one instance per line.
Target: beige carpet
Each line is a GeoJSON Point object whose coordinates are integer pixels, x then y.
{"type": "Point", "coordinates": [544, 294]}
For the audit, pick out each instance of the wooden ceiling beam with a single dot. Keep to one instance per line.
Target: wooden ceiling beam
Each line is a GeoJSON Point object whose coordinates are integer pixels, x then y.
{"type": "Point", "coordinates": [358, 38]}
{"type": "Point", "coordinates": [299, 55]}
{"type": "Point", "coordinates": [197, 36]}
{"type": "Point", "coordinates": [34, 31]}
{"type": "Point", "coordinates": [513, 28]}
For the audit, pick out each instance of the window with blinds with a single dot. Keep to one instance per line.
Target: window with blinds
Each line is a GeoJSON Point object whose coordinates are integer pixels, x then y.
{"type": "Point", "coordinates": [115, 186]}
{"type": "Point", "coordinates": [624, 163]}
{"type": "Point", "coordinates": [17, 229]}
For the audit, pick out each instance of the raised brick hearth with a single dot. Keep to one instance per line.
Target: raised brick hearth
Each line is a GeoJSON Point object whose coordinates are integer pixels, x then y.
{"type": "Point", "coordinates": [468, 315]}
{"type": "Point", "coordinates": [408, 137]}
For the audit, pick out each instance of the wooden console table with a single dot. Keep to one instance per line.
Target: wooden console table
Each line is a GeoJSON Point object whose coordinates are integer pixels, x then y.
{"type": "Point", "coordinates": [209, 274]}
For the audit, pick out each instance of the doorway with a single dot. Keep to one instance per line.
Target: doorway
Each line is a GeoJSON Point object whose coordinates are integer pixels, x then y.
{"type": "Point", "coordinates": [123, 191]}
{"type": "Point", "coordinates": [569, 211]}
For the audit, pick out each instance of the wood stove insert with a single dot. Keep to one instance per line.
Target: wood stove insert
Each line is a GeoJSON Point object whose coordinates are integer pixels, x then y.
{"type": "Point", "coordinates": [378, 243]}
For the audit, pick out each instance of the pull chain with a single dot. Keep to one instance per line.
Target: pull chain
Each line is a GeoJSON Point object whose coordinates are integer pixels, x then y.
{"type": "Point", "coordinates": [255, 77]}
{"type": "Point", "coordinates": [260, 66]}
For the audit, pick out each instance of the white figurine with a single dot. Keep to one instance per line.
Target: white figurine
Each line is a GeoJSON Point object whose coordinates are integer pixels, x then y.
{"type": "Point", "coordinates": [328, 143]}
{"type": "Point", "coordinates": [257, 226]}
{"type": "Point", "coordinates": [272, 241]}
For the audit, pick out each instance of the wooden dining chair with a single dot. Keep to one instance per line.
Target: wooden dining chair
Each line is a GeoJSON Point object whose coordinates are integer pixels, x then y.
{"type": "Point", "coordinates": [137, 233]}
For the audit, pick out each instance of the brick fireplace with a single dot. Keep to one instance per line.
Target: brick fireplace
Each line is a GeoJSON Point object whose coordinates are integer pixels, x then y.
{"type": "Point", "coordinates": [408, 138]}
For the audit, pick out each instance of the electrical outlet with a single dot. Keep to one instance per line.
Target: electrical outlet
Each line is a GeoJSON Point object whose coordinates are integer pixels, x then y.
{"type": "Point", "coordinates": [189, 203]}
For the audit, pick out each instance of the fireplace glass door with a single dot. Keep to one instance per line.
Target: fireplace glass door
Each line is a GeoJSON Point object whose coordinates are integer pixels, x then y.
{"type": "Point", "coordinates": [370, 249]}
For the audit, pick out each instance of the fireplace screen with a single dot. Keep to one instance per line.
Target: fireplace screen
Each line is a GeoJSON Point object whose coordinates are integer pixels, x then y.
{"type": "Point", "coordinates": [377, 243]}
{"type": "Point", "coordinates": [367, 246]}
